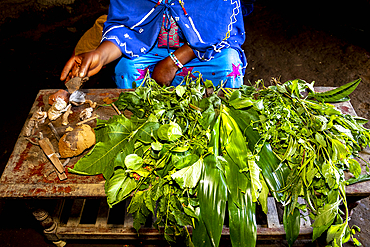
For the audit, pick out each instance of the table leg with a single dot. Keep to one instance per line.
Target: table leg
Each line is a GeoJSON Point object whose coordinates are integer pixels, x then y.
{"type": "Point", "coordinates": [49, 226]}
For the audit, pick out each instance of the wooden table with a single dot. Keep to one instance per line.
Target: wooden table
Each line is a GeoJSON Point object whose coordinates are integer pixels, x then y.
{"type": "Point", "coordinates": [25, 177]}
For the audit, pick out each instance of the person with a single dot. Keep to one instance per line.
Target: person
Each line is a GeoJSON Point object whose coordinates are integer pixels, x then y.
{"type": "Point", "coordinates": [169, 38]}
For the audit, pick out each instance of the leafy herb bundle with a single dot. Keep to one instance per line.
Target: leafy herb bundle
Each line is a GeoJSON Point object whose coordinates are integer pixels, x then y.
{"type": "Point", "coordinates": [186, 158]}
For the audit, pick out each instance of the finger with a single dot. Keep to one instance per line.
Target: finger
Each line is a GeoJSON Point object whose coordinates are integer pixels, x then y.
{"type": "Point", "coordinates": [67, 68]}
{"type": "Point", "coordinates": [85, 67]}
{"type": "Point", "coordinates": [75, 70]}
{"type": "Point", "coordinates": [69, 77]}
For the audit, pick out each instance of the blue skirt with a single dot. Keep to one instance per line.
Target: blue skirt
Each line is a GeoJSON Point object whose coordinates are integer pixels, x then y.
{"type": "Point", "coordinates": [226, 66]}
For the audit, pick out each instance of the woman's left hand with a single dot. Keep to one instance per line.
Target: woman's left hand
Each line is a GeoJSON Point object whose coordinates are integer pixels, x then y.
{"type": "Point", "coordinates": [164, 71]}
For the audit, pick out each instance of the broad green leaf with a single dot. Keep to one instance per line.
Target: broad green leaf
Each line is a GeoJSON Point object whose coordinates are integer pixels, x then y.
{"type": "Point", "coordinates": [354, 167]}
{"type": "Point", "coordinates": [119, 187]}
{"type": "Point", "coordinates": [291, 223]}
{"type": "Point", "coordinates": [169, 132]}
{"type": "Point", "coordinates": [331, 175]}
{"type": "Point", "coordinates": [240, 103]}
{"type": "Point", "coordinates": [264, 195]}
{"type": "Point", "coordinates": [185, 161]}
{"type": "Point", "coordinates": [256, 185]}
{"type": "Point", "coordinates": [336, 233]}
{"type": "Point", "coordinates": [133, 161]}
{"type": "Point", "coordinates": [200, 234]}
{"type": "Point", "coordinates": [340, 151]}
{"type": "Point", "coordinates": [324, 218]}
{"type": "Point", "coordinates": [99, 159]}
{"type": "Point", "coordinates": [361, 178]}
{"type": "Point", "coordinates": [180, 91]}
{"type": "Point", "coordinates": [181, 149]}
{"type": "Point", "coordinates": [114, 128]}
{"type": "Point", "coordinates": [320, 139]}
{"type": "Point", "coordinates": [157, 146]}
{"type": "Point", "coordinates": [188, 177]}
{"type": "Point", "coordinates": [232, 139]}
{"type": "Point", "coordinates": [242, 218]}
{"type": "Point", "coordinates": [273, 170]}
{"type": "Point", "coordinates": [212, 194]}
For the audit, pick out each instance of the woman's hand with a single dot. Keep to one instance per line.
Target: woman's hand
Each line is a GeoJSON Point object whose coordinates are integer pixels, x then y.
{"type": "Point", "coordinates": [164, 71]}
{"type": "Point", "coordinates": [90, 63]}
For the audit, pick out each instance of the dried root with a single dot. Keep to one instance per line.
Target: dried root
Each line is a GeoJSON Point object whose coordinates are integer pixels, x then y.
{"type": "Point", "coordinates": [66, 115]}
{"type": "Point", "coordinates": [56, 110]}
{"type": "Point", "coordinates": [37, 118]}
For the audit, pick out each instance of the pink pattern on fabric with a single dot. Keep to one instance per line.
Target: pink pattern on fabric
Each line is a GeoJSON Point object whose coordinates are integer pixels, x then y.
{"type": "Point", "coordinates": [235, 71]}
{"type": "Point", "coordinates": [174, 40]}
{"type": "Point", "coordinates": [142, 73]}
{"type": "Point", "coordinates": [185, 70]}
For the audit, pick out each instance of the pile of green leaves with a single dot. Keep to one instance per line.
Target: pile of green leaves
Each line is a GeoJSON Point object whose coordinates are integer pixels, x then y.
{"type": "Point", "coordinates": [186, 157]}
{"type": "Point", "coordinates": [315, 143]}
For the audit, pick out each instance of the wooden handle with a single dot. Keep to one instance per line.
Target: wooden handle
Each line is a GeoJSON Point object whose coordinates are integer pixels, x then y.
{"type": "Point", "coordinates": [48, 149]}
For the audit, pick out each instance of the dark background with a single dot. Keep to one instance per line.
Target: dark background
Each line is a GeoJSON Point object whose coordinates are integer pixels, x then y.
{"type": "Point", "coordinates": [323, 41]}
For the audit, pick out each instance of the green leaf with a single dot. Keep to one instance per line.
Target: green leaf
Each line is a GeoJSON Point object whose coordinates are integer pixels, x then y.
{"type": "Point", "coordinates": [240, 103]}
{"type": "Point", "coordinates": [242, 218]}
{"type": "Point", "coordinates": [185, 161]}
{"type": "Point", "coordinates": [169, 132]}
{"type": "Point", "coordinates": [180, 91]}
{"type": "Point", "coordinates": [157, 146]}
{"type": "Point", "coordinates": [138, 209]}
{"type": "Point", "coordinates": [361, 178]}
{"type": "Point", "coordinates": [336, 233]}
{"type": "Point", "coordinates": [133, 162]}
{"type": "Point", "coordinates": [291, 223]}
{"type": "Point", "coordinates": [324, 218]}
{"type": "Point", "coordinates": [188, 177]}
{"type": "Point", "coordinates": [340, 151]}
{"type": "Point", "coordinates": [119, 187]}
{"type": "Point", "coordinates": [320, 139]}
{"type": "Point", "coordinates": [232, 139]}
{"type": "Point", "coordinates": [331, 175]}
{"type": "Point", "coordinates": [256, 185]}
{"type": "Point", "coordinates": [264, 195]}
{"type": "Point", "coordinates": [336, 94]}
{"type": "Point", "coordinates": [273, 170]}
{"type": "Point", "coordinates": [99, 159]}
{"type": "Point", "coordinates": [212, 194]}
{"type": "Point", "coordinates": [354, 167]}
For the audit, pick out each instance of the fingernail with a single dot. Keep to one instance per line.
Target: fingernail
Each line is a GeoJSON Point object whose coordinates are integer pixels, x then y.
{"type": "Point", "coordinates": [81, 74]}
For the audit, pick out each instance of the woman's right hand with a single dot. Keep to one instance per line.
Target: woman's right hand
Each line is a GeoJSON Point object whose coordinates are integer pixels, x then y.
{"type": "Point", "coordinates": [90, 63]}
{"type": "Point", "coordinates": [85, 64]}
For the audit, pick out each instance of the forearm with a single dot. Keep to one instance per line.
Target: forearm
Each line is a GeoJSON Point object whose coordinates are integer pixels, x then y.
{"type": "Point", "coordinates": [184, 54]}
{"type": "Point", "coordinates": [108, 52]}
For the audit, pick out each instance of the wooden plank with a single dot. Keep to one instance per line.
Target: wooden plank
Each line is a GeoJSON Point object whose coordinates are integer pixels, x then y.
{"type": "Point", "coordinates": [76, 212]}
{"type": "Point", "coordinates": [57, 212]}
{"type": "Point", "coordinates": [103, 213]}
{"type": "Point", "coordinates": [272, 215]}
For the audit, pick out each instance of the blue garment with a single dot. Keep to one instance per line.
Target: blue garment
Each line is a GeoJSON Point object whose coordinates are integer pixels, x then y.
{"type": "Point", "coordinates": [212, 28]}
{"type": "Point", "coordinates": [208, 25]}
{"type": "Point", "coordinates": [225, 68]}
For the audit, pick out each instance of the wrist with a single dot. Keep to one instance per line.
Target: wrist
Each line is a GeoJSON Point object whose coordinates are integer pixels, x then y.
{"type": "Point", "coordinates": [176, 61]}
{"type": "Point", "coordinates": [108, 52]}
